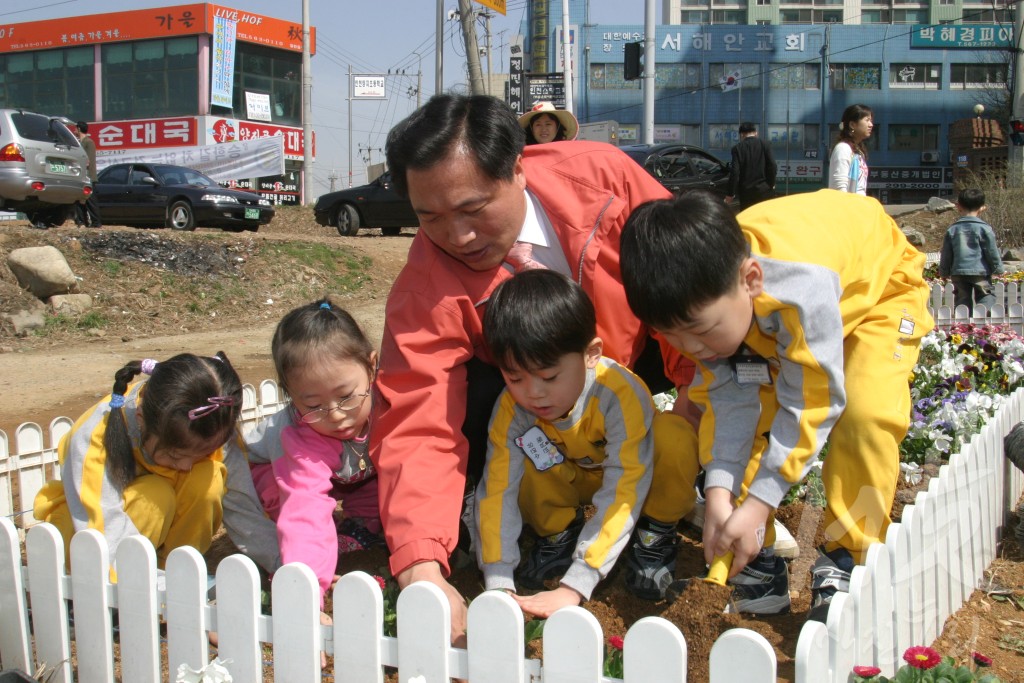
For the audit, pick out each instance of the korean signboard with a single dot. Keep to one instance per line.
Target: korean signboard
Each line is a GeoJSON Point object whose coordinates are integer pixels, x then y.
{"type": "Point", "coordinates": [369, 87]}
{"type": "Point", "coordinates": [145, 24]}
{"type": "Point", "coordinates": [963, 35]}
{"type": "Point", "coordinates": [545, 88]}
{"type": "Point", "coordinates": [223, 78]}
{"type": "Point", "coordinates": [910, 178]}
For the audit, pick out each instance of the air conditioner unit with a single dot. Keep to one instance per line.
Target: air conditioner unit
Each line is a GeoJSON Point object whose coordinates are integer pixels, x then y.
{"type": "Point", "coordinates": [929, 157]}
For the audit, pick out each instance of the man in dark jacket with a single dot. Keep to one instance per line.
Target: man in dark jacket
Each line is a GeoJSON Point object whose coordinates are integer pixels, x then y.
{"type": "Point", "coordinates": [752, 179]}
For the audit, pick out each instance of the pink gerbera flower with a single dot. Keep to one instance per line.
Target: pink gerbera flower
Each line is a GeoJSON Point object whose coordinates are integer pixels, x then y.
{"type": "Point", "coordinates": [616, 642]}
{"type": "Point", "coordinates": [381, 582]}
{"type": "Point", "coordinates": [921, 657]}
{"type": "Point", "coordinates": [981, 660]}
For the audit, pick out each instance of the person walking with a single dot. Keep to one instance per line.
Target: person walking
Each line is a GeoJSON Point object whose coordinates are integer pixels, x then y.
{"type": "Point", "coordinates": [848, 163]}
{"type": "Point", "coordinates": [87, 213]}
{"type": "Point", "coordinates": [969, 255]}
{"type": "Point", "coordinates": [752, 176]}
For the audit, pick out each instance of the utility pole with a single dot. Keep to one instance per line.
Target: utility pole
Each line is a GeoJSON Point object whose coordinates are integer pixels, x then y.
{"type": "Point", "coordinates": [332, 178]}
{"type": "Point", "coordinates": [439, 49]}
{"type": "Point", "coordinates": [466, 18]}
{"type": "Point", "coordinates": [649, 27]}
{"type": "Point", "coordinates": [487, 34]}
{"type": "Point", "coordinates": [307, 110]}
{"type": "Point", "coordinates": [1015, 160]}
{"type": "Point", "coordinates": [567, 57]}
{"type": "Point", "coordinates": [350, 125]}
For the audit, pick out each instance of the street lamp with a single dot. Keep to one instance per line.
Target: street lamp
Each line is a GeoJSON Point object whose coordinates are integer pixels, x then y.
{"type": "Point", "coordinates": [979, 109]}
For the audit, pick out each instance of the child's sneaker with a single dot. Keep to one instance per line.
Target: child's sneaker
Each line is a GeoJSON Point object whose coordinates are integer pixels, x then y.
{"type": "Point", "coordinates": [354, 536]}
{"type": "Point", "coordinates": [762, 587]}
{"type": "Point", "coordinates": [829, 575]}
{"type": "Point", "coordinates": [651, 559]}
{"type": "Point", "coordinates": [550, 557]}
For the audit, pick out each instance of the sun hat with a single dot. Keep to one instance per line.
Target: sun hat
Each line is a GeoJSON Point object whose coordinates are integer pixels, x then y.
{"type": "Point", "coordinates": [564, 117]}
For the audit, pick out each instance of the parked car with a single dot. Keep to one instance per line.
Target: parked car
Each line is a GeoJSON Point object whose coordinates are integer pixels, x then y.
{"type": "Point", "coordinates": [681, 167]}
{"type": "Point", "coordinates": [43, 168]}
{"type": "Point", "coordinates": [375, 205]}
{"type": "Point", "coordinates": [177, 197]}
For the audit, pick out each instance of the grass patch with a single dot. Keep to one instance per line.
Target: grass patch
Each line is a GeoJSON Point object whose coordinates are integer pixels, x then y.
{"type": "Point", "coordinates": [340, 269]}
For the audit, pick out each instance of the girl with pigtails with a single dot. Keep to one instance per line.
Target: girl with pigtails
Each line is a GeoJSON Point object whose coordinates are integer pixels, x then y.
{"type": "Point", "coordinates": [160, 458]}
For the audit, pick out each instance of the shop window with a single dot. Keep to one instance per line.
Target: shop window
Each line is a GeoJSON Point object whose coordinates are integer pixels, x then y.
{"type": "Point", "coordinates": [794, 77]}
{"type": "Point", "coordinates": [856, 76]}
{"type": "Point", "coordinates": [913, 137]}
{"type": "Point", "coordinates": [915, 76]}
{"type": "Point", "coordinates": [49, 82]}
{"type": "Point", "coordinates": [969, 76]}
{"type": "Point", "coordinates": [749, 74]}
{"type": "Point", "coordinates": [151, 78]}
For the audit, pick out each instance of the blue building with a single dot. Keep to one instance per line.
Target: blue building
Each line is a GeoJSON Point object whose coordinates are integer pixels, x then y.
{"type": "Point", "coordinates": [794, 80]}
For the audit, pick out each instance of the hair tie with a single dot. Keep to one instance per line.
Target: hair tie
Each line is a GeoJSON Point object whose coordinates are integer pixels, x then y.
{"type": "Point", "coordinates": [325, 305]}
{"type": "Point", "coordinates": [148, 365]}
{"type": "Point", "coordinates": [212, 404]}
{"type": "Point", "coordinates": [116, 400]}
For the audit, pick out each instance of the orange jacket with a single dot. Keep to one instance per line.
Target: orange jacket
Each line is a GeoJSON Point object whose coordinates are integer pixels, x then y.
{"type": "Point", "coordinates": [434, 326]}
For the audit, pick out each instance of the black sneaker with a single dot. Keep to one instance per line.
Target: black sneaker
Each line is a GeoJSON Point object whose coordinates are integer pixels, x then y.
{"type": "Point", "coordinates": [651, 559]}
{"type": "Point", "coordinates": [550, 557]}
{"type": "Point", "coordinates": [762, 587]}
{"type": "Point", "coordinates": [352, 536]}
{"type": "Point", "coordinates": [829, 575]}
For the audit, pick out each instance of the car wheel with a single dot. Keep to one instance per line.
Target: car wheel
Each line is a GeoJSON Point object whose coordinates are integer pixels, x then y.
{"type": "Point", "coordinates": [347, 219]}
{"type": "Point", "coordinates": [391, 232]}
{"type": "Point", "coordinates": [180, 216]}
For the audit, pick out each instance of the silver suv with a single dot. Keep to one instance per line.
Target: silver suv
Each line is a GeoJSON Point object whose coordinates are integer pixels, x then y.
{"type": "Point", "coordinates": [43, 168]}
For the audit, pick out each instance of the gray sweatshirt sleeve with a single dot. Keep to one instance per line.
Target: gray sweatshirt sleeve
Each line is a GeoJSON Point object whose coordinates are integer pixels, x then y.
{"type": "Point", "coordinates": [246, 523]}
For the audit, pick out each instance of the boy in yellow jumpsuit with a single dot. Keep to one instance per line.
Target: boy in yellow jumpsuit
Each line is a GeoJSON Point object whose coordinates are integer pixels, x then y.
{"type": "Point", "coordinates": [805, 316]}
{"type": "Point", "coordinates": [573, 427]}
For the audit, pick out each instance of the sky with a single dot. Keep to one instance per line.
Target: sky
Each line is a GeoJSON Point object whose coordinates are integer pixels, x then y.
{"type": "Point", "coordinates": [373, 37]}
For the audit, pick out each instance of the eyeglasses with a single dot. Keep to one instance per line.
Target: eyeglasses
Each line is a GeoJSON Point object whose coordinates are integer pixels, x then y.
{"type": "Point", "coordinates": [346, 405]}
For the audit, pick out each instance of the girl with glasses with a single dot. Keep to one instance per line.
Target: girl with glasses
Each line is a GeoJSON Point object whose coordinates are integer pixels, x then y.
{"type": "Point", "coordinates": [326, 365]}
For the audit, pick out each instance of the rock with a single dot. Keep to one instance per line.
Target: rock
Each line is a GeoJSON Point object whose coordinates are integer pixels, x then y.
{"type": "Point", "coordinates": [70, 304]}
{"type": "Point", "coordinates": [915, 237]}
{"type": "Point", "coordinates": [1013, 255]}
{"type": "Point", "coordinates": [42, 270]}
{"type": "Point", "coordinates": [25, 321]}
{"type": "Point", "coordinates": [938, 204]}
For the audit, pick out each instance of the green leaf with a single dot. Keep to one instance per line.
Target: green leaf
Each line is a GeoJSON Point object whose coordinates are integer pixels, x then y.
{"type": "Point", "coordinates": [534, 629]}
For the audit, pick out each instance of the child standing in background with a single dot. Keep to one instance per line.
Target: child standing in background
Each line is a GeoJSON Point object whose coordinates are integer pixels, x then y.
{"type": "Point", "coordinates": [969, 255]}
{"type": "Point", "coordinates": [156, 458]}
{"type": "Point", "coordinates": [326, 365]}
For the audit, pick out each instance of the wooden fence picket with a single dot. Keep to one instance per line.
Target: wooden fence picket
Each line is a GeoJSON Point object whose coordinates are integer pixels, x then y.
{"type": "Point", "coordinates": [496, 639]}
{"type": "Point", "coordinates": [842, 638]}
{"type": "Point", "coordinates": [654, 650]}
{"type": "Point", "coordinates": [186, 609]}
{"type": "Point", "coordinates": [423, 609]}
{"type": "Point", "coordinates": [575, 644]}
{"type": "Point", "coordinates": [898, 542]}
{"type": "Point", "coordinates": [295, 596]}
{"type": "Point", "coordinates": [238, 605]}
{"type": "Point", "coordinates": [44, 549]}
{"type": "Point", "coordinates": [138, 610]}
{"type": "Point", "coordinates": [883, 647]}
{"type": "Point", "coordinates": [812, 658]}
{"type": "Point", "coordinates": [742, 655]}
{"type": "Point", "coordinates": [862, 595]}
{"type": "Point", "coordinates": [15, 646]}
{"type": "Point", "coordinates": [90, 569]}
{"type": "Point", "coordinates": [358, 616]}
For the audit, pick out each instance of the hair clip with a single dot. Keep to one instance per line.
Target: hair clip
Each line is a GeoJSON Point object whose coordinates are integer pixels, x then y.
{"type": "Point", "coordinates": [212, 404]}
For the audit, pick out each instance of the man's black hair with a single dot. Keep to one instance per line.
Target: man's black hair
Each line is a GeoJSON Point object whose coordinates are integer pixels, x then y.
{"type": "Point", "coordinates": [679, 255]}
{"type": "Point", "coordinates": [536, 318]}
{"type": "Point", "coordinates": [83, 126]}
{"type": "Point", "coordinates": [748, 127]}
{"type": "Point", "coordinates": [485, 125]}
{"type": "Point", "coordinates": [971, 199]}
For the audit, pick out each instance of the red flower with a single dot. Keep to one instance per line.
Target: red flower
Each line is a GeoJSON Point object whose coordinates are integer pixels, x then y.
{"type": "Point", "coordinates": [866, 671]}
{"type": "Point", "coordinates": [616, 642]}
{"type": "Point", "coordinates": [921, 657]}
{"type": "Point", "coordinates": [981, 660]}
{"type": "Point", "coordinates": [381, 582]}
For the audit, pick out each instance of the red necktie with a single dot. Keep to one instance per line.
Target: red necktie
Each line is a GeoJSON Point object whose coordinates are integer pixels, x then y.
{"type": "Point", "coordinates": [521, 257]}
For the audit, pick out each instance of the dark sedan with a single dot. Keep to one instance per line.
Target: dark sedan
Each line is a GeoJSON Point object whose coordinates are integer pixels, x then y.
{"type": "Point", "coordinates": [681, 167]}
{"type": "Point", "coordinates": [375, 205]}
{"type": "Point", "coordinates": [177, 197]}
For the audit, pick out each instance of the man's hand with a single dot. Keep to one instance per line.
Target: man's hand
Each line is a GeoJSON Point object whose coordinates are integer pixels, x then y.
{"type": "Point", "coordinates": [546, 603]}
{"type": "Point", "coordinates": [431, 571]}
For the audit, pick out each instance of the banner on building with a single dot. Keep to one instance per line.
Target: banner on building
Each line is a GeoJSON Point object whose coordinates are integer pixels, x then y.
{"type": "Point", "coordinates": [223, 78]}
{"type": "Point", "coordinates": [257, 106]}
{"type": "Point", "coordinates": [253, 158]}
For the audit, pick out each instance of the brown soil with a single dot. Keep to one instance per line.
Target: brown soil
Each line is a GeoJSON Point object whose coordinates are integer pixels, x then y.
{"type": "Point", "coordinates": [238, 287]}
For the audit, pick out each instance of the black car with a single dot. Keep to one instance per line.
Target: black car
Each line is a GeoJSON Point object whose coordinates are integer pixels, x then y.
{"type": "Point", "coordinates": [176, 197]}
{"type": "Point", "coordinates": [375, 205]}
{"type": "Point", "coordinates": [681, 167]}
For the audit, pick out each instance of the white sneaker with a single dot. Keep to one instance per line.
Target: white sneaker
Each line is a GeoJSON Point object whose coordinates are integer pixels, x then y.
{"type": "Point", "coordinates": [786, 546]}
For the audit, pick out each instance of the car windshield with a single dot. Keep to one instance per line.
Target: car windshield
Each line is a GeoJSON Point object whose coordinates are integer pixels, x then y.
{"type": "Point", "coordinates": [179, 175]}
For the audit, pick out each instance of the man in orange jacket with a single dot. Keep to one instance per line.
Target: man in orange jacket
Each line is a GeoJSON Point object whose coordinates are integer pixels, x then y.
{"type": "Point", "coordinates": [477, 192]}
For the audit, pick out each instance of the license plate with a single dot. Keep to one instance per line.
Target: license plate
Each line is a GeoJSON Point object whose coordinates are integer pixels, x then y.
{"type": "Point", "coordinates": [58, 167]}
{"type": "Point", "coordinates": [252, 214]}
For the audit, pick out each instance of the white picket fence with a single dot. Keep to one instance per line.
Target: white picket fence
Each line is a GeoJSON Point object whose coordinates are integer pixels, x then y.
{"type": "Point", "coordinates": [928, 566]}
{"type": "Point", "coordinates": [1008, 308]}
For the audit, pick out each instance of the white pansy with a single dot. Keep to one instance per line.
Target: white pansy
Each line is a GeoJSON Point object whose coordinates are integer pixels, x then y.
{"type": "Point", "coordinates": [664, 402]}
{"type": "Point", "coordinates": [214, 672]}
{"type": "Point", "coordinates": [912, 473]}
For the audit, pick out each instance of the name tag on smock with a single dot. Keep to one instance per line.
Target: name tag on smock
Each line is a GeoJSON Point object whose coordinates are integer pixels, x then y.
{"type": "Point", "coordinates": [539, 449]}
{"type": "Point", "coordinates": [747, 370]}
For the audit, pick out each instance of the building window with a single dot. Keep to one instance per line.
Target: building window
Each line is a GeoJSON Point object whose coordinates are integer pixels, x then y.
{"type": "Point", "coordinates": [856, 77]}
{"type": "Point", "coordinates": [910, 16]}
{"type": "Point", "coordinates": [793, 138]}
{"type": "Point", "coordinates": [915, 76]}
{"type": "Point", "coordinates": [276, 73]}
{"type": "Point", "coordinates": [694, 17]}
{"type": "Point", "coordinates": [50, 82]}
{"type": "Point", "coordinates": [609, 77]}
{"type": "Point", "coordinates": [970, 76]}
{"type": "Point", "coordinates": [748, 75]}
{"type": "Point", "coordinates": [913, 137]}
{"type": "Point", "coordinates": [728, 16]}
{"type": "Point", "coordinates": [676, 77]}
{"type": "Point", "coordinates": [151, 78]}
{"type": "Point", "coordinates": [794, 77]}
{"type": "Point", "coordinates": [828, 16]}
{"type": "Point", "coordinates": [874, 16]}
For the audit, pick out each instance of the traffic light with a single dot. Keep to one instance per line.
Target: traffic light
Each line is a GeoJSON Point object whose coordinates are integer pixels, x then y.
{"type": "Point", "coordinates": [1017, 132]}
{"type": "Point", "coordinates": [631, 64]}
